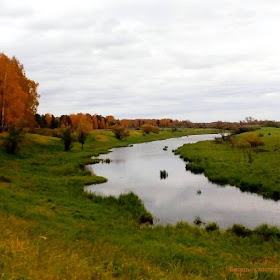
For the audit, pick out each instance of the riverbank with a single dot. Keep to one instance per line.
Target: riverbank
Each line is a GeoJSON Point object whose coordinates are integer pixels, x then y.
{"type": "Point", "coordinates": [224, 164]}
{"type": "Point", "coordinates": [51, 230]}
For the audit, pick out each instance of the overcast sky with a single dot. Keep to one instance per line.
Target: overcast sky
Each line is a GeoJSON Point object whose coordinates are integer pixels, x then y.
{"type": "Point", "coordinates": [199, 60]}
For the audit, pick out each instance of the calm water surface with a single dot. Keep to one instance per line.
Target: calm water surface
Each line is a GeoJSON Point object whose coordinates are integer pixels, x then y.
{"type": "Point", "coordinates": [175, 198]}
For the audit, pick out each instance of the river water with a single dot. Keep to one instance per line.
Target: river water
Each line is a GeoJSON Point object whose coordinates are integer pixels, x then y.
{"type": "Point", "coordinates": [182, 196]}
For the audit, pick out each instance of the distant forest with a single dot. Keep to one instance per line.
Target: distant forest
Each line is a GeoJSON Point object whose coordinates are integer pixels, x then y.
{"type": "Point", "coordinates": [19, 101]}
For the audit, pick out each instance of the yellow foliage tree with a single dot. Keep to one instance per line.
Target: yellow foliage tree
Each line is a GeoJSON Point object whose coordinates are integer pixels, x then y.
{"type": "Point", "coordinates": [18, 94]}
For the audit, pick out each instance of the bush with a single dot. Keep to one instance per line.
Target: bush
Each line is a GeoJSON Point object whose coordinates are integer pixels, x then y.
{"type": "Point", "coordinates": [267, 232]}
{"type": "Point", "coordinates": [147, 128]}
{"type": "Point", "coordinates": [13, 140]}
{"type": "Point", "coordinates": [240, 230]}
{"type": "Point", "coordinates": [120, 131]}
{"type": "Point", "coordinates": [67, 139]}
{"type": "Point", "coordinates": [244, 128]}
{"type": "Point", "coordinates": [211, 227]}
{"type": "Point", "coordinates": [197, 221]}
{"type": "Point", "coordinates": [251, 140]}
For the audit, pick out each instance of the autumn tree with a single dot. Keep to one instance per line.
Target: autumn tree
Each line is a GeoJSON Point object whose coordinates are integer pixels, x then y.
{"type": "Point", "coordinates": [65, 121]}
{"type": "Point", "coordinates": [147, 128]}
{"type": "Point", "coordinates": [110, 120]}
{"type": "Point", "coordinates": [84, 128]}
{"type": "Point", "coordinates": [94, 122]}
{"type": "Point", "coordinates": [252, 140]}
{"type": "Point", "coordinates": [120, 131]}
{"type": "Point", "coordinates": [18, 94]}
{"type": "Point", "coordinates": [247, 143]}
{"type": "Point", "coordinates": [48, 119]}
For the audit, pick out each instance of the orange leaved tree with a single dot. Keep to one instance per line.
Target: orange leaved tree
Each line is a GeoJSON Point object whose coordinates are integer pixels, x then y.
{"type": "Point", "coordinates": [18, 94]}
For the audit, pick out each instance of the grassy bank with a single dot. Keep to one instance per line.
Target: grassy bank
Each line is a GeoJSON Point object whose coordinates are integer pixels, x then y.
{"type": "Point", "coordinates": [51, 230]}
{"type": "Point", "coordinates": [224, 164]}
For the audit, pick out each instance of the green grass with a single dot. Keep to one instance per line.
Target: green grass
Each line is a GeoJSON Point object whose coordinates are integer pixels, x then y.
{"type": "Point", "coordinates": [223, 164]}
{"type": "Point", "coordinates": [51, 229]}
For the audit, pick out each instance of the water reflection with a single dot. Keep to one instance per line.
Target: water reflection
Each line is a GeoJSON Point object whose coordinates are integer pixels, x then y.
{"type": "Point", "coordinates": [176, 197]}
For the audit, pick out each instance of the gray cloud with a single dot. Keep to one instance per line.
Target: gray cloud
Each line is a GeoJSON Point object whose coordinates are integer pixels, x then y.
{"type": "Point", "coordinates": [179, 59]}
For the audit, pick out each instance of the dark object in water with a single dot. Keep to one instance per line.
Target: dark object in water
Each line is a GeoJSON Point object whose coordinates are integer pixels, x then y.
{"type": "Point", "coordinates": [163, 174]}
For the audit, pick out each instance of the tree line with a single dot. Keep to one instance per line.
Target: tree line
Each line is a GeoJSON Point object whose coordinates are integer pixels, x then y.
{"type": "Point", "coordinates": [101, 122]}
{"type": "Point", "coordinates": [19, 100]}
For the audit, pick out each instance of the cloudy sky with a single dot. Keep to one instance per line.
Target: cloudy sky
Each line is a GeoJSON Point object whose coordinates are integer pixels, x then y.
{"type": "Point", "coordinates": [185, 59]}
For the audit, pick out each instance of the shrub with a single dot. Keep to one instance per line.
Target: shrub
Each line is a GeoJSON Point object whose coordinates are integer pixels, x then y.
{"type": "Point", "coordinates": [252, 140]}
{"type": "Point", "coordinates": [247, 143]}
{"type": "Point", "coordinates": [240, 230]}
{"type": "Point", "coordinates": [13, 140]}
{"type": "Point", "coordinates": [67, 139]}
{"type": "Point", "coordinates": [147, 128]}
{"type": "Point", "coordinates": [120, 131]}
{"type": "Point", "coordinates": [244, 128]}
{"type": "Point", "coordinates": [197, 221]}
{"type": "Point", "coordinates": [211, 227]}
{"type": "Point", "coordinates": [267, 232]}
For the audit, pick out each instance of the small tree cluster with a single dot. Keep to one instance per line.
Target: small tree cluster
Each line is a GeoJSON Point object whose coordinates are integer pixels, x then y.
{"type": "Point", "coordinates": [120, 131]}
{"type": "Point", "coordinates": [148, 128]}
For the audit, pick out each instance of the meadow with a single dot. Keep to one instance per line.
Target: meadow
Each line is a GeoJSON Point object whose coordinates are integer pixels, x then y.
{"type": "Point", "coordinates": [224, 163]}
{"type": "Point", "coordinates": [51, 229]}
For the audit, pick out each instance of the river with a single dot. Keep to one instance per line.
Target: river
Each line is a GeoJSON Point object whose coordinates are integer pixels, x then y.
{"type": "Point", "coordinates": [182, 196]}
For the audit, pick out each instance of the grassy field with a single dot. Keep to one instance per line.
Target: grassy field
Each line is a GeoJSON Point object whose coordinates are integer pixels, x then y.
{"type": "Point", "coordinates": [223, 164]}
{"type": "Point", "coordinates": [51, 230]}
